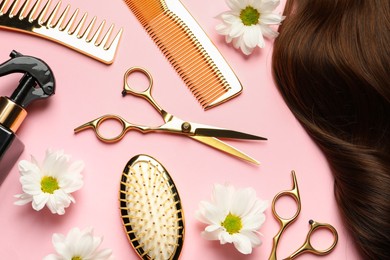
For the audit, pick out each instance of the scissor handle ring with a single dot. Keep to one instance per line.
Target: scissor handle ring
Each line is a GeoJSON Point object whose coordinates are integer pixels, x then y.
{"type": "Point", "coordinates": [314, 226]}
{"type": "Point", "coordinates": [127, 88]}
{"type": "Point", "coordinates": [116, 138]}
{"type": "Point", "coordinates": [291, 194]}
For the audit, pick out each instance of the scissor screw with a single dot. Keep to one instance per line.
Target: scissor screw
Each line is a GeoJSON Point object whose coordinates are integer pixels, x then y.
{"type": "Point", "coordinates": [186, 127]}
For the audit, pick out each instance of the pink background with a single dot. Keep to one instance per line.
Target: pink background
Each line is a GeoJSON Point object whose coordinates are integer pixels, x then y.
{"type": "Point", "coordinates": [87, 89]}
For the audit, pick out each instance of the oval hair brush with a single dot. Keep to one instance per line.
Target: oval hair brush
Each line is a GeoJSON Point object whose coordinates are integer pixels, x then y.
{"type": "Point", "coordinates": [151, 210]}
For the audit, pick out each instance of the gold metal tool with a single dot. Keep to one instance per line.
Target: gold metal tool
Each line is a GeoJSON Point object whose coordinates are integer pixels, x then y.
{"type": "Point", "coordinates": [63, 30]}
{"type": "Point", "coordinates": [189, 49]}
{"type": "Point", "coordinates": [202, 133]}
{"type": "Point", "coordinates": [285, 222]}
{"type": "Point", "coordinates": [151, 209]}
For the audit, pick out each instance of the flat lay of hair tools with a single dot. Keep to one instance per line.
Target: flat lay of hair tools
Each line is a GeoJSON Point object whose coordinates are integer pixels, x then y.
{"type": "Point", "coordinates": [37, 83]}
{"type": "Point", "coordinates": [62, 30]}
{"type": "Point", "coordinates": [285, 222]}
{"type": "Point", "coordinates": [151, 209]}
{"type": "Point", "coordinates": [203, 133]}
{"type": "Point", "coordinates": [188, 48]}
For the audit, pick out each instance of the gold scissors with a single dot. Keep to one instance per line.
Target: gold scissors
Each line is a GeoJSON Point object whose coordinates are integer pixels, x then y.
{"type": "Point", "coordinates": [285, 222]}
{"type": "Point", "coordinates": [203, 133]}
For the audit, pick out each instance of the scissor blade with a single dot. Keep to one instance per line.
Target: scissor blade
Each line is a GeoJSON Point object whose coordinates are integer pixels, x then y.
{"type": "Point", "coordinates": [224, 133]}
{"type": "Point", "coordinates": [217, 144]}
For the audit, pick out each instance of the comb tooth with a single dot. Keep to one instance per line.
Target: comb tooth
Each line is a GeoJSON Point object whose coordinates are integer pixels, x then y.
{"type": "Point", "coordinates": [88, 30]}
{"type": "Point", "coordinates": [209, 93]}
{"type": "Point", "coordinates": [20, 10]}
{"type": "Point", "coordinates": [210, 85]}
{"type": "Point", "coordinates": [62, 18]}
{"type": "Point", "coordinates": [170, 46]}
{"type": "Point", "coordinates": [53, 15]}
{"type": "Point", "coordinates": [12, 8]}
{"type": "Point", "coordinates": [42, 14]}
{"type": "Point", "coordinates": [208, 81]}
{"type": "Point", "coordinates": [213, 93]}
{"type": "Point", "coordinates": [2, 6]}
{"type": "Point", "coordinates": [69, 25]}
{"type": "Point", "coordinates": [23, 9]}
{"type": "Point", "coordinates": [33, 10]}
{"type": "Point", "coordinates": [188, 67]}
{"type": "Point", "coordinates": [80, 26]}
{"type": "Point", "coordinates": [41, 18]}
{"type": "Point", "coordinates": [115, 42]}
{"type": "Point", "coordinates": [97, 34]}
{"type": "Point", "coordinates": [104, 42]}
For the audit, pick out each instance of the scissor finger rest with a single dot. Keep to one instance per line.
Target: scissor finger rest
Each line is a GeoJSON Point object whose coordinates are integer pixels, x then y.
{"type": "Point", "coordinates": [293, 193]}
{"type": "Point", "coordinates": [307, 246]}
{"type": "Point", "coordinates": [286, 220]}
{"type": "Point", "coordinates": [128, 88]}
{"type": "Point", "coordinates": [95, 124]}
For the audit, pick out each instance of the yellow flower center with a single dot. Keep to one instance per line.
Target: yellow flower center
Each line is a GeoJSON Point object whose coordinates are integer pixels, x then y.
{"type": "Point", "coordinates": [249, 16]}
{"type": "Point", "coordinates": [49, 185]}
{"type": "Point", "coordinates": [77, 258]}
{"type": "Point", "coordinates": [232, 224]}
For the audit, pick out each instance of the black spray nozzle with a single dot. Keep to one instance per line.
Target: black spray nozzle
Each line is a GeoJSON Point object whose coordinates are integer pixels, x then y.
{"type": "Point", "coordinates": [36, 72]}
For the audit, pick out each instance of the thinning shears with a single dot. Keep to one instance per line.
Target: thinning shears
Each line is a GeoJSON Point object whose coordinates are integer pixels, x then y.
{"type": "Point", "coordinates": [285, 222]}
{"type": "Point", "coordinates": [203, 133]}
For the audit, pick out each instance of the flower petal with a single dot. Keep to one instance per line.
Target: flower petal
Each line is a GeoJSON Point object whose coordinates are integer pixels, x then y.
{"type": "Point", "coordinates": [237, 29]}
{"type": "Point", "coordinates": [103, 254]}
{"type": "Point", "coordinates": [53, 257]}
{"type": "Point", "coordinates": [251, 35]}
{"type": "Point", "coordinates": [210, 213]}
{"type": "Point", "coordinates": [85, 246]}
{"type": "Point", "coordinates": [253, 222]}
{"type": "Point", "coordinates": [230, 18]}
{"type": "Point", "coordinates": [76, 167]}
{"type": "Point", "coordinates": [225, 237]}
{"type": "Point", "coordinates": [249, 196]}
{"type": "Point", "coordinates": [222, 196]}
{"type": "Point", "coordinates": [235, 5]}
{"type": "Point", "coordinates": [242, 243]}
{"type": "Point", "coordinates": [211, 235]}
{"type": "Point", "coordinates": [39, 201]}
{"type": "Point", "coordinates": [60, 246]}
{"type": "Point", "coordinates": [261, 41]}
{"type": "Point", "coordinates": [269, 19]}
{"type": "Point", "coordinates": [266, 5]}
{"type": "Point", "coordinates": [222, 29]}
{"type": "Point", "coordinates": [23, 199]}
{"type": "Point", "coordinates": [268, 32]}
{"type": "Point", "coordinates": [26, 167]}
{"type": "Point", "coordinates": [212, 228]}
{"type": "Point", "coordinates": [55, 206]}
{"type": "Point", "coordinates": [79, 243]}
{"type": "Point", "coordinates": [255, 240]}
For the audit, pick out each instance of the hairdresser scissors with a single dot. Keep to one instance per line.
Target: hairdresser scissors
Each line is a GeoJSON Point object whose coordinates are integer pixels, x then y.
{"type": "Point", "coordinates": [203, 133]}
{"type": "Point", "coordinates": [285, 222]}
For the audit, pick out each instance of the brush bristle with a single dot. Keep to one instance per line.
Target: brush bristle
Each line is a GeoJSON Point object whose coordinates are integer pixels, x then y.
{"type": "Point", "coordinates": [151, 210]}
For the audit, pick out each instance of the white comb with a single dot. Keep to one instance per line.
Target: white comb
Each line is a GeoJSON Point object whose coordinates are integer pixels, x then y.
{"type": "Point", "coordinates": [64, 30]}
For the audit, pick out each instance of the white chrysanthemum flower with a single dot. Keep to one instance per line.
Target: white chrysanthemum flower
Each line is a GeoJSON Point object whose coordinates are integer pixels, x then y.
{"type": "Point", "coordinates": [51, 183]}
{"type": "Point", "coordinates": [233, 216]}
{"type": "Point", "coordinates": [78, 245]}
{"type": "Point", "coordinates": [247, 22]}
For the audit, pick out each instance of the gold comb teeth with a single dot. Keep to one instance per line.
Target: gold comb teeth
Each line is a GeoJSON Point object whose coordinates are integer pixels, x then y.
{"type": "Point", "coordinates": [189, 50]}
{"type": "Point", "coordinates": [151, 209]}
{"type": "Point", "coordinates": [65, 31]}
